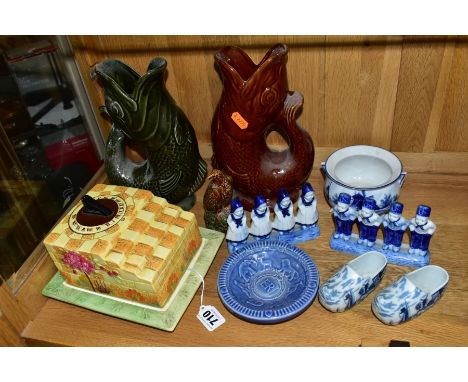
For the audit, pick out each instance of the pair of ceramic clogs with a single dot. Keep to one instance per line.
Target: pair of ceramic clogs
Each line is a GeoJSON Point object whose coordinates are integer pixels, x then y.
{"type": "Point", "coordinates": [408, 297]}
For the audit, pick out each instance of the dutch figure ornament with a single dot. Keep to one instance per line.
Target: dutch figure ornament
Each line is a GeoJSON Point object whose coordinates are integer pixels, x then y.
{"type": "Point", "coordinates": [394, 227]}
{"type": "Point", "coordinates": [345, 215]}
{"type": "Point", "coordinates": [284, 217]}
{"type": "Point", "coordinates": [261, 224]}
{"type": "Point", "coordinates": [369, 222]}
{"type": "Point", "coordinates": [307, 213]}
{"type": "Point", "coordinates": [237, 223]}
{"type": "Point", "coordinates": [422, 229]}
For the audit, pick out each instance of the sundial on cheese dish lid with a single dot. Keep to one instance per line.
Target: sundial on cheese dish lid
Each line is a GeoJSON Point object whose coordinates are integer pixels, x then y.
{"type": "Point", "coordinates": [97, 215]}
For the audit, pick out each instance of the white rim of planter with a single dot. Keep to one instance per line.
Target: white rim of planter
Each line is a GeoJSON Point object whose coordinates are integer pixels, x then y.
{"type": "Point", "coordinates": [393, 179]}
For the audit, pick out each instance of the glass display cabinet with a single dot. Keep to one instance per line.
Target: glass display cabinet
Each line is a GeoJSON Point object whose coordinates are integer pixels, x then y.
{"type": "Point", "coordinates": [47, 151]}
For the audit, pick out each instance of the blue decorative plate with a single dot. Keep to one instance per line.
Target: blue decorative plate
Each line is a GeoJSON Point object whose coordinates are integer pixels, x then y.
{"type": "Point", "coordinates": [268, 282]}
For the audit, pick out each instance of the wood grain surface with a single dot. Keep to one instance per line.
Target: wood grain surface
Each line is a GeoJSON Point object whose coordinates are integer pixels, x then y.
{"type": "Point", "coordinates": [407, 94]}
{"type": "Point", "coordinates": [445, 324]}
{"type": "Point", "coordinates": [9, 336]}
{"type": "Point", "coordinates": [419, 72]}
{"type": "Point", "coordinates": [453, 134]}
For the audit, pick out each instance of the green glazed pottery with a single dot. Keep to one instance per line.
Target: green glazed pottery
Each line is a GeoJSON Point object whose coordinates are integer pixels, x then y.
{"type": "Point", "coordinates": [147, 120]}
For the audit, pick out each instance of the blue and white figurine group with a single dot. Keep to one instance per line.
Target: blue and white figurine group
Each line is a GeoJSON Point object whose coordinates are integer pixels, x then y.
{"type": "Point", "coordinates": [414, 254]}
{"type": "Point", "coordinates": [286, 226]}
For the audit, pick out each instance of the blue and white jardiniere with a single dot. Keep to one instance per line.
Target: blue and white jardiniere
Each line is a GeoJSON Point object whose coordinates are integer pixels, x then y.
{"type": "Point", "coordinates": [410, 295]}
{"type": "Point", "coordinates": [352, 283]}
{"type": "Point", "coordinates": [363, 171]}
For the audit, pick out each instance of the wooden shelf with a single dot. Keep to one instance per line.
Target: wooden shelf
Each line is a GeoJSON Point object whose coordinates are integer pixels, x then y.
{"type": "Point", "coordinates": [446, 324]}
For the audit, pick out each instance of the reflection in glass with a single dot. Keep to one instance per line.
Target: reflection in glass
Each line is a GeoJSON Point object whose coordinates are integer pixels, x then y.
{"type": "Point", "coordinates": [46, 153]}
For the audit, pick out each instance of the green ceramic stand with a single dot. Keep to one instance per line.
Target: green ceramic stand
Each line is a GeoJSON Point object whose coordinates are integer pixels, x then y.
{"type": "Point", "coordinates": [165, 318]}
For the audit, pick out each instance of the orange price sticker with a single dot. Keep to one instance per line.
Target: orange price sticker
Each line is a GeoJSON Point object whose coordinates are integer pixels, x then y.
{"type": "Point", "coordinates": [239, 120]}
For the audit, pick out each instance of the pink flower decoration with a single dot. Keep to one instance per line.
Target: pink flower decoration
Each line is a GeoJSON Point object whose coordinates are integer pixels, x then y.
{"type": "Point", "coordinates": [76, 261]}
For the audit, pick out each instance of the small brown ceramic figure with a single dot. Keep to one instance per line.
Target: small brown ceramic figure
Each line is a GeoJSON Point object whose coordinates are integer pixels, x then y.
{"type": "Point", "coordinates": [254, 102]}
{"type": "Point", "coordinates": [217, 201]}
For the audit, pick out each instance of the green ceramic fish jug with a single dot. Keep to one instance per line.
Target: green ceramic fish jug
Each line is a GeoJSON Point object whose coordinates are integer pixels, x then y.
{"type": "Point", "coordinates": [146, 119]}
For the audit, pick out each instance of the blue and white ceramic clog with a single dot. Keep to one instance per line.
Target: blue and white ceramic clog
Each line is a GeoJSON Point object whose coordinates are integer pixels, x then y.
{"type": "Point", "coordinates": [410, 295]}
{"type": "Point", "coordinates": [353, 282]}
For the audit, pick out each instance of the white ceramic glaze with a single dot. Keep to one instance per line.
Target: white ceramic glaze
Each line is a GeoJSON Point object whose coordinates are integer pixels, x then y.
{"type": "Point", "coordinates": [237, 232]}
{"type": "Point", "coordinates": [364, 171]}
{"type": "Point", "coordinates": [307, 214]}
{"type": "Point", "coordinates": [410, 295]}
{"type": "Point", "coordinates": [352, 283]}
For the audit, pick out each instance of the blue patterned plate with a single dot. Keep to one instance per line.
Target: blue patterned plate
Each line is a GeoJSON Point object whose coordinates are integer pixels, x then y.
{"type": "Point", "coordinates": [268, 282]}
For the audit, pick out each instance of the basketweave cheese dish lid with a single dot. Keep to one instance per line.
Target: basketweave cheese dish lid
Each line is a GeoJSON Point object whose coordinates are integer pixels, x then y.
{"type": "Point", "coordinates": [122, 227]}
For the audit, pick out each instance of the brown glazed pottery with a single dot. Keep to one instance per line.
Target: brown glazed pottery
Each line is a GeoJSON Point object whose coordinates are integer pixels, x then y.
{"type": "Point", "coordinates": [255, 101]}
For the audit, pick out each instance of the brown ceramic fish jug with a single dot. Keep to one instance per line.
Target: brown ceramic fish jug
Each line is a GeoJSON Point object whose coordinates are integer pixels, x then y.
{"type": "Point", "coordinates": [255, 101]}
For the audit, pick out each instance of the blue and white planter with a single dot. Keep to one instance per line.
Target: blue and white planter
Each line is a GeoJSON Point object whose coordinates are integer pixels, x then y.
{"type": "Point", "coordinates": [411, 295]}
{"type": "Point", "coordinates": [363, 171]}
